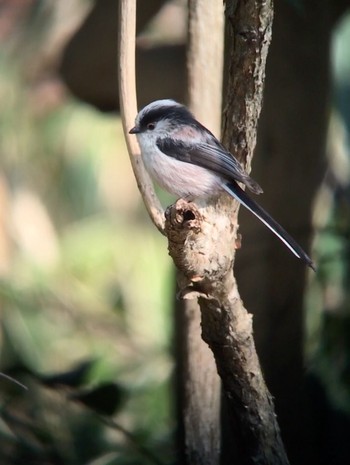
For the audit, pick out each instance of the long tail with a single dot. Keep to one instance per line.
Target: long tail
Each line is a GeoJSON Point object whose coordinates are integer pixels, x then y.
{"type": "Point", "coordinates": [239, 194]}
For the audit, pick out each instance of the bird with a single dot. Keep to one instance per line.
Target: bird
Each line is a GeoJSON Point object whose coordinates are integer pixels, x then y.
{"type": "Point", "coordinates": [188, 161]}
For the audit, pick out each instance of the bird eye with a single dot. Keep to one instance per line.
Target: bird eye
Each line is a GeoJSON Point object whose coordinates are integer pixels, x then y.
{"type": "Point", "coordinates": [151, 126]}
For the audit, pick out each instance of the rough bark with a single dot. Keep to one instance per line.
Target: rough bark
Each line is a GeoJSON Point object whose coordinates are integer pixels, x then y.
{"type": "Point", "coordinates": [289, 165]}
{"type": "Point", "coordinates": [202, 240]}
{"type": "Point", "coordinates": [250, 30]}
{"type": "Point", "coordinates": [195, 244]}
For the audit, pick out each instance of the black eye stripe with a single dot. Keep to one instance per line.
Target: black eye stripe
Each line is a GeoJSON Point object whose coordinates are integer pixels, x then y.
{"type": "Point", "coordinates": [179, 115]}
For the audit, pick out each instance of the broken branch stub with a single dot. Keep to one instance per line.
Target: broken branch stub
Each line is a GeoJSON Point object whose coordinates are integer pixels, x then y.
{"type": "Point", "coordinates": [201, 241]}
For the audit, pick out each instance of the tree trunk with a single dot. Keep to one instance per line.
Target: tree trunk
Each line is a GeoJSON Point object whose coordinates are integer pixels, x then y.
{"type": "Point", "coordinates": [202, 240]}
{"type": "Point", "coordinates": [198, 380]}
{"type": "Point", "coordinates": [289, 163]}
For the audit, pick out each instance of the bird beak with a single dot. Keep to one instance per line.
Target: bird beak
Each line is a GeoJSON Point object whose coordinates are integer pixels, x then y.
{"type": "Point", "coordinates": [134, 130]}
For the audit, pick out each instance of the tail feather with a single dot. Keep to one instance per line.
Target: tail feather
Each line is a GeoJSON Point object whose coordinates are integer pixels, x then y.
{"type": "Point", "coordinates": [239, 194]}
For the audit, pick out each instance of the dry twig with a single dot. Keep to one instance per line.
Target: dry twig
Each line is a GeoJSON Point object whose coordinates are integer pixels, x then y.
{"type": "Point", "coordinates": [128, 108]}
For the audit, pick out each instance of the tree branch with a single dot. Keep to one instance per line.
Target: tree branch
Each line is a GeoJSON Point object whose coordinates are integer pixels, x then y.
{"type": "Point", "coordinates": [250, 27]}
{"type": "Point", "coordinates": [206, 261]}
{"type": "Point", "coordinates": [128, 109]}
{"type": "Point", "coordinates": [202, 236]}
{"type": "Point", "coordinates": [202, 239]}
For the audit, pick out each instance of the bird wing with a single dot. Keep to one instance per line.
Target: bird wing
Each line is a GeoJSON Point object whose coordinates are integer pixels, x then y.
{"type": "Point", "coordinates": [212, 156]}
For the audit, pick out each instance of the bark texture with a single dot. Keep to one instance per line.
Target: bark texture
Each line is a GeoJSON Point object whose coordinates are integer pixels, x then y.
{"type": "Point", "coordinates": [250, 26]}
{"type": "Point", "coordinates": [195, 235]}
{"type": "Point", "coordinates": [202, 239]}
{"type": "Point", "coordinates": [289, 164]}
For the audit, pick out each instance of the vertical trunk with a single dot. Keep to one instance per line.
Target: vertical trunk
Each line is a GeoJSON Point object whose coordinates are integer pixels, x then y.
{"type": "Point", "coordinates": [289, 164]}
{"type": "Point", "coordinates": [201, 239]}
{"type": "Point", "coordinates": [199, 383]}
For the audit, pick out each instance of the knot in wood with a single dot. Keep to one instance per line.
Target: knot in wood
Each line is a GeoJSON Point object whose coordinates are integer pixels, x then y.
{"type": "Point", "coordinates": [242, 140]}
{"type": "Point", "coordinates": [182, 214]}
{"type": "Point", "coordinates": [180, 219]}
{"type": "Point", "coordinates": [248, 35]}
{"type": "Point", "coordinates": [201, 240]}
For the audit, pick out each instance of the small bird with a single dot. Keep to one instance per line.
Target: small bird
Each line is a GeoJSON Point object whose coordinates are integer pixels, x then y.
{"type": "Point", "coordinates": [187, 160]}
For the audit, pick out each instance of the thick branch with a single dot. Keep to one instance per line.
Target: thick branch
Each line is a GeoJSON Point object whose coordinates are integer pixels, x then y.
{"type": "Point", "coordinates": [206, 262]}
{"type": "Point", "coordinates": [250, 24]}
{"type": "Point", "coordinates": [227, 328]}
{"type": "Point", "coordinates": [202, 236]}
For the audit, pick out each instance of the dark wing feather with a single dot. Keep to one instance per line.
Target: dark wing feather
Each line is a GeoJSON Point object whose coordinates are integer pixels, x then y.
{"type": "Point", "coordinates": [211, 156]}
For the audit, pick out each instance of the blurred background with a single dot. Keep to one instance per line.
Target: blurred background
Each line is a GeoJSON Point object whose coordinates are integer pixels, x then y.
{"type": "Point", "coordinates": [86, 286]}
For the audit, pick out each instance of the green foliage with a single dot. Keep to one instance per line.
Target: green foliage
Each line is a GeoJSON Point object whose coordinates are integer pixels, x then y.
{"type": "Point", "coordinates": [328, 300]}
{"type": "Point", "coordinates": [84, 281]}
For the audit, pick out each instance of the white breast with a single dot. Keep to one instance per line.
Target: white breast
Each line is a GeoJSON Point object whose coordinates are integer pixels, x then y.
{"type": "Point", "coordinates": [177, 177]}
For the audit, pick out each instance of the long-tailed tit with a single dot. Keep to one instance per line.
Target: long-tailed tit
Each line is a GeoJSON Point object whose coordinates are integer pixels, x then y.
{"type": "Point", "coordinates": [187, 160]}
